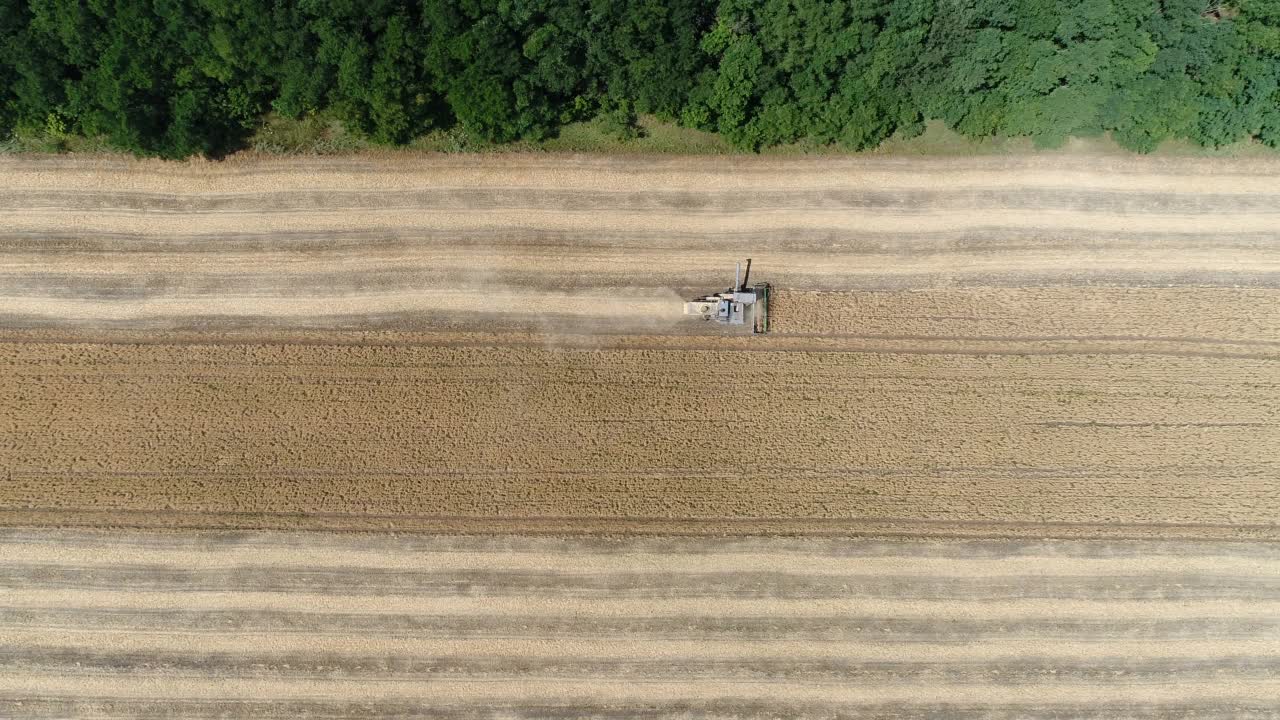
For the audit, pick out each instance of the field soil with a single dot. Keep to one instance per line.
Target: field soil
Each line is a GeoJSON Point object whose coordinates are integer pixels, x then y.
{"type": "Point", "coordinates": [1046, 346]}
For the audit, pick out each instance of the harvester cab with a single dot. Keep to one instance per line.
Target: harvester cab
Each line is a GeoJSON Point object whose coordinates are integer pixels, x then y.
{"type": "Point", "coordinates": [740, 305]}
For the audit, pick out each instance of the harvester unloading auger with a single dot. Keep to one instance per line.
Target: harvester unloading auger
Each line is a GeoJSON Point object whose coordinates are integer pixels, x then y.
{"type": "Point", "coordinates": [739, 305]}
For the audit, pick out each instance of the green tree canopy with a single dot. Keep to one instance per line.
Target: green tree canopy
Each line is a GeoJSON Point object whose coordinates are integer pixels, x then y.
{"type": "Point", "coordinates": [182, 77]}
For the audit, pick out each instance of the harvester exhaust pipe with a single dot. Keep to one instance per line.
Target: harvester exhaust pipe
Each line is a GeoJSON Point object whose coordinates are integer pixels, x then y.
{"type": "Point", "coordinates": [745, 278]}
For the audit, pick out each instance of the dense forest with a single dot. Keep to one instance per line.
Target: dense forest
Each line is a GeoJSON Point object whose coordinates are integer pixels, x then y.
{"type": "Point", "coordinates": [183, 77]}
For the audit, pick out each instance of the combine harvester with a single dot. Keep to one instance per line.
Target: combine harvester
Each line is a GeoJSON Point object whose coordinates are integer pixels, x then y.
{"type": "Point", "coordinates": [739, 305]}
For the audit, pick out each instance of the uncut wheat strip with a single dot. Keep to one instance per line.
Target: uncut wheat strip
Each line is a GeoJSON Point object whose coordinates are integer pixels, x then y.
{"type": "Point", "coordinates": [415, 502]}
{"type": "Point", "coordinates": [787, 365]}
{"type": "Point", "coordinates": [484, 355]}
{"type": "Point", "coordinates": [993, 312]}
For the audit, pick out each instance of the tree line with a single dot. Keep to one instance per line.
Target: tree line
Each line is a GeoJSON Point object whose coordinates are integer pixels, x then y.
{"type": "Point", "coordinates": [183, 77]}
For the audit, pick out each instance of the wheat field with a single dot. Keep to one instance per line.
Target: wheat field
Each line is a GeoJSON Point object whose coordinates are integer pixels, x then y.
{"type": "Point", "coordinates": [1004, 439]}
{"type": "Point", "coordinates": [427, 437]}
